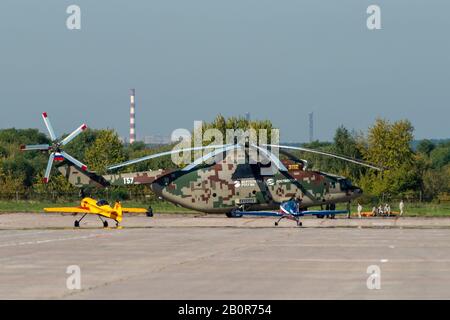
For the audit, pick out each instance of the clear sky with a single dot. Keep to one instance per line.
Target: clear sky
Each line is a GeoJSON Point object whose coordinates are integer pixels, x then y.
{"type": "Point", "coordinates": [192, 59]}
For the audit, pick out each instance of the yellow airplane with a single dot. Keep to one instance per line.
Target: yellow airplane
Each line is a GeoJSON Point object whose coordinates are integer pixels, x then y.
{"type": "Point", "coordinates": [100, 208]}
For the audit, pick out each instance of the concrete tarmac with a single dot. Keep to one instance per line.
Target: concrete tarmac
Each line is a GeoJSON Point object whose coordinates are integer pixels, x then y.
{"type": "Point", "coordinates": [213, 257]}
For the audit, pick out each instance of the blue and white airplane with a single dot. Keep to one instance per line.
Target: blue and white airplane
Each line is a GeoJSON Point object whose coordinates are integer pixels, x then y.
{"type": "Point", "coordinates": [288, 210]}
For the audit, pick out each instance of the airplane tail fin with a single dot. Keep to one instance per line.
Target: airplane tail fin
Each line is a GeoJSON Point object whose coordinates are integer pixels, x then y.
{"type": "Point", "coordinates": [118, 208]}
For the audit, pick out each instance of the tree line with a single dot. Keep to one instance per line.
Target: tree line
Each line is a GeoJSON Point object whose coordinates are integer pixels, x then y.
{"type": "Point", "coordinates": [420, 174]}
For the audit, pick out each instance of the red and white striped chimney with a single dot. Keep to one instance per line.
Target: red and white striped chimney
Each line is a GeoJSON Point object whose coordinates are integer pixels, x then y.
{"type": "Point", "coordinates": [132, 117]}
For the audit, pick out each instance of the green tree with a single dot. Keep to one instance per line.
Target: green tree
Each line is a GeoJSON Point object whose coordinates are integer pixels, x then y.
{"type": "Point", "coordinates": [425, 147]}
{"type": "Point", "coordinates": [440, 156]}
{"type": "Point", "coordinates": [136, 146]}
{"type": "Point", "coordinates": [435, 182]}
{"type": "Point", "coordinates": [20, 166]}
{"type": "Point", "coordinates": [315, 161]}
{"type": "Point", "coordinates": [77, 147]}
{"type": "Point", "coordinates": [153, 164]}
{"type": "Point", "coordinates": [3, 152]}
{"type": "Point", "coordinates": [10, 183]}
{"type": "Point", "coordinates": [388, 145]}
{"type": "Point", "coordinates": [22, 136]}
{"type": "Point", "coordinates": [17, 164]}
{"type": "Point", "coordinates": [57, 185]}
{"type": "Point", "coordinates": [107, 149]}
{"type": "Point", "coordinates": [346, 144]}
{"type": "Point", "coordinates": [219, 123]}
{"type": "Point", "coordinates": [236, 123]}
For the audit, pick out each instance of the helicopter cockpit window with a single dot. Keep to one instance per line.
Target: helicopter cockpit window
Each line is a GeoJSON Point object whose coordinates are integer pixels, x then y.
{"type": "Point", "coordinates": [268, 169]}
{"type": "Point", "coordinates": [345, 184]}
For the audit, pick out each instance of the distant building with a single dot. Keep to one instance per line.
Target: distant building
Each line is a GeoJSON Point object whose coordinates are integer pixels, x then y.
{"type": "Point", "coordinates": [156, 139]}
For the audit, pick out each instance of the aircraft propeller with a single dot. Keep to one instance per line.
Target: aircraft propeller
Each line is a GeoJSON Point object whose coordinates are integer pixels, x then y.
{"type": "Point", "coordinates": [55, 149]}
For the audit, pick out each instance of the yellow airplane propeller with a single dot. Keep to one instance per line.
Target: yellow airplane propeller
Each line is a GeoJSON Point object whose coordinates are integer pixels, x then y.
{"type": "Point", "coordinates": [100, 208]}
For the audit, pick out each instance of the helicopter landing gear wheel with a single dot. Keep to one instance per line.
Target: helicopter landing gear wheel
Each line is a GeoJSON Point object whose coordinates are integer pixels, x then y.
{"type": "Point", "coordinates": [276, 223]}
{"type": "Point", "coordinates": [149, 212]}
{"type": "Point", "coordinates": [105, 224]}
{"type": "Point", "coordinates": [235, 213]}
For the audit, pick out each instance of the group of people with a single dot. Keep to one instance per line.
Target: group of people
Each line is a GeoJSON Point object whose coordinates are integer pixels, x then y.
{"type": "Point", "coordinates": [382, 210]}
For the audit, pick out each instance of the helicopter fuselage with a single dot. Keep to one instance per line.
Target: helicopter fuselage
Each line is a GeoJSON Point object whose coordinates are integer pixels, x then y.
{"type": "Point", "coordinates": [223, 187]}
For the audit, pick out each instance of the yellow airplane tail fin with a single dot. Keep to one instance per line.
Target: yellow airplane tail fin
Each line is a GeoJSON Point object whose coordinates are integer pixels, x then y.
{"type": "Point", "coordinates": [118, 209]}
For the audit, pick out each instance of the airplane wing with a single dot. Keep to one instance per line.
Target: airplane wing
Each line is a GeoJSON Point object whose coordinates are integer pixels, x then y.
{"type": "Point", "coordinates": [303, 213]}
{"type": "Point", "coordinates": [134, 210]}
{"type": "Point", "coordinates": [260, 213]}
{"type": "Point", "coordinates": [323, 212]}
{"type": "Point", "coordinates": [68, 210]}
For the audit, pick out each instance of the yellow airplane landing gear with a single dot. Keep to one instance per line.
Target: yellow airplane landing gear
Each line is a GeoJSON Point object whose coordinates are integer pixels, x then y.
{"type": "Point", "coordinates": [105, 223]}
{"type": "Point", "coordinates": [77, 222]}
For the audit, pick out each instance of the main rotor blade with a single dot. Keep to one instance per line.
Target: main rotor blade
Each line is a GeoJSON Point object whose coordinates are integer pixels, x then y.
{"type": "Point", "coordinates": [157, 155]}
{"type": "Point", "coordinates": [79, 164]}
{"type": "Point", "coordinates": [356, 161]}
{"type": "Point", "coordinates": [49, 168]}
{"type": "Point", "coordinates": [74, 134]}
{"type": "Point", "coordinates": [49, 126]}
{"type": "Point", "coordinates": [274, 159]}
{"type": "Point", "coordinates": [209, 156]}
{"type": "Point", "coordinates": [32, 147]}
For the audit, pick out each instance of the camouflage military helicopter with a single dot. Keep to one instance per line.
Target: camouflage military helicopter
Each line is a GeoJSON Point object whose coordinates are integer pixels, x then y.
{"type": "Point", "coordinates": [224, 185]}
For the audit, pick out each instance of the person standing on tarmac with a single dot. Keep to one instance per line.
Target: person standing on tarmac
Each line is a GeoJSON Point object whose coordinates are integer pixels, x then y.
{"type": "Point", "coordinates": [348, 210]}
{"type": "Point", "coordinates": [374, 211]}
{"type": "Point", "coordinates": [359, 210]}
{"type": "Point", "coordinates": [401, 206]}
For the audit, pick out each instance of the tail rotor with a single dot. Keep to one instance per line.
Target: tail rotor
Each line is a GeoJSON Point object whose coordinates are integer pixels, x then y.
{"type": "Point", "coordinates": [55, 149]}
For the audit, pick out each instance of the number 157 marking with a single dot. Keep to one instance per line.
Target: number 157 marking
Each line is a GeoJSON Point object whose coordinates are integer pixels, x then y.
{"type": "Point", "coordinates": [128, 180]}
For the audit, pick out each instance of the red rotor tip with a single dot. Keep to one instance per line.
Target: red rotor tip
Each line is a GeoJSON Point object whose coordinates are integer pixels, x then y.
{"type": "Point", "coordinates": [84, 168]}
{"type": "Point", "coordinates": [44, 180]}
{"type": "Point", "coordinates": [44, 114]}
{"type": "Point", "coordinates": [22, 147]}
{"type": "Point", "coordinates": [83, 127]}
